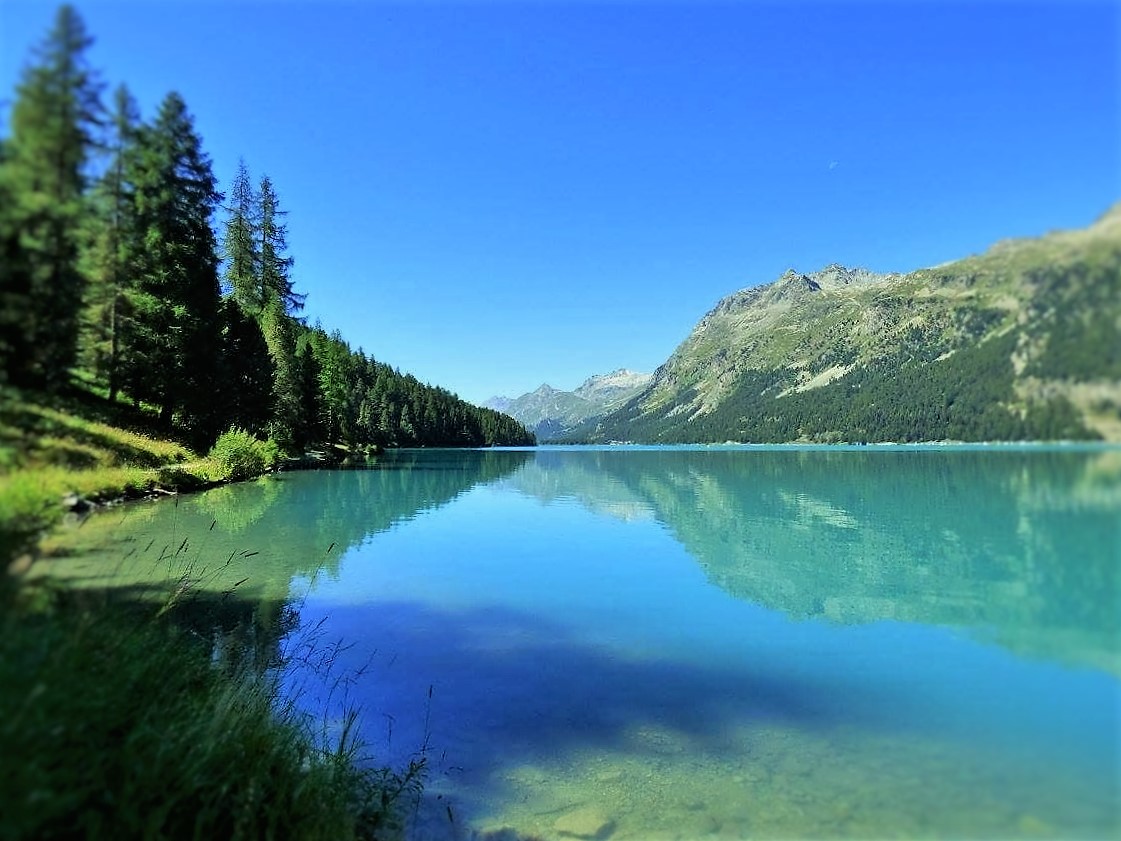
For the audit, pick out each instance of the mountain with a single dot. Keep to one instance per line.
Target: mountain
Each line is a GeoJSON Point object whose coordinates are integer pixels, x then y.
{"type": "Point", "coordinates": [611, 390]}
{"type": "Point", "coordinates": [552, 413]}
{"type": "Point", "coordinates": [1022, 342]}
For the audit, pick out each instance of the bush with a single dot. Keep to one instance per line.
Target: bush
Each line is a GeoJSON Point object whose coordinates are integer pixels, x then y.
{"type": "Point", "coordinates": [241, 455]}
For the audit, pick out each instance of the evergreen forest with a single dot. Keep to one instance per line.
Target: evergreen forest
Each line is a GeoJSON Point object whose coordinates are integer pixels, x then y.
{"type": "Point", "coordinates": [125, 273]}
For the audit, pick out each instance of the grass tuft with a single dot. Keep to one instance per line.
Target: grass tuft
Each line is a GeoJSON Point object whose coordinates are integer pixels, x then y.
{"type": "Point", "coordinates": [115, 722]}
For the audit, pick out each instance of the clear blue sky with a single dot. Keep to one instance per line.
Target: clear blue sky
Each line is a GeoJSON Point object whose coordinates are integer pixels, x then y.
{"type": "Point", "coordinates": [495, 195]}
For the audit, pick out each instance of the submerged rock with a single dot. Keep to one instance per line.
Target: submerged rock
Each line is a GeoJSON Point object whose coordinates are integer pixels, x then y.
{"type": "Point", "coordinates": [586, 822]}
{"type": "Point", "coordinates": [1031, 825]}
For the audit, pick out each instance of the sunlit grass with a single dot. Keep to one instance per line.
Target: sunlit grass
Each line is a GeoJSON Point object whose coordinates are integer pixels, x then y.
{"type": "Point", "coordinates": [40, 435]}
{"type": "Point", "coordinates": [48, 454]}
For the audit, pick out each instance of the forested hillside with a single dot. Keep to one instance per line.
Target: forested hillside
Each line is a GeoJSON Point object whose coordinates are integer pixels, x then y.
{"type": "Point", "coordinates": [1022, 342]}
{"type": "Point", "coordinates": [124, 269]}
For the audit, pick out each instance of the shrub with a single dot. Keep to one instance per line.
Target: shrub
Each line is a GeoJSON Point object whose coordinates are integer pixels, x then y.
{"type": "Point", "coordinates": [241, 455]}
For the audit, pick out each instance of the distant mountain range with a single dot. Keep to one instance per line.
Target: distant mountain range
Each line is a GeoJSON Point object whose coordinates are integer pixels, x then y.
{"type": "Point", "coordinates": [1022, 342]}
{"type": "Point", "coordinates": [551, 413]}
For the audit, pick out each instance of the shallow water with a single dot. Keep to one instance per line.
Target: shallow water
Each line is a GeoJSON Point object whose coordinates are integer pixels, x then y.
{"type": "Point", "coordinates": [693, 643]}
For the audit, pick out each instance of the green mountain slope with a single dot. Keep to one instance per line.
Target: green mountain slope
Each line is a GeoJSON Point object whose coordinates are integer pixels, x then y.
{"type": "Point", "coordinates": [1021, 342]}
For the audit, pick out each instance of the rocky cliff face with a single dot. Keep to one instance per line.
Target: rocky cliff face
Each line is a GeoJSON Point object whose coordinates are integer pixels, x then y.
{"type": "Point", "coordinates": [1021, 342]}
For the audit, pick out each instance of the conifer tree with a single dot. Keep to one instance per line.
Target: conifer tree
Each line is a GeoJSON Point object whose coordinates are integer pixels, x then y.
{"type": "Point", "coordinates": [175, 336]}
{"type": "Point", "coordinates": [241, 245]}
{"type": "Point", "coordinates": [276, 284]}
{"type": "Point", "coordinates": [12, 278]}
{"type": "Point", "coordinates": [247, 375]}
{"type": "Point", "coordinates": [280, 302]}
{"type": "Point", "coordinates": [56, 110]}
{"type": "Point", "coordinates": [280, 332]}
{"type": "Point", "coordinates": [248, 369]}
{"type": "Point", "coordinates": [309, 427]}
{"type": "Point", "coordinates": [108, 260]}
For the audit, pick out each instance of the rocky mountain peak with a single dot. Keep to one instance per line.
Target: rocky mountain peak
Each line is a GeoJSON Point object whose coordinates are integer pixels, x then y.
{"type": "Point", "coordinates": [552, 412]}
{"type": "Point", "coordinates": [620, 378]}
{"type": "Point", "coordinates": [836, 276]}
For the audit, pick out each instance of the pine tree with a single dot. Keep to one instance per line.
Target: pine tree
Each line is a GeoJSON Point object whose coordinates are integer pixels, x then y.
{"type": "Point", "coordinates": [246, 380]}
{"type": "Point", "coordinates": [280, 332]}
{"type": "Point", "coordinates": [309, 427]}
{"type": "Point", "coordinates": [248, 370]}
{"type": "Point", "coordinates": [175, 337]}
{"type": "Point", "coordinates": [13, 276]}
{"type": "Point", "coordinates": [43, 177]}
{"type": "Point", "coordinates": [241, 245]}
{"type": "Point", "coordinates": [279, 303]}
{"type": "Point", "coordinates": [276, 284]}
{"type": "Point", "coordinates": [108, 260]}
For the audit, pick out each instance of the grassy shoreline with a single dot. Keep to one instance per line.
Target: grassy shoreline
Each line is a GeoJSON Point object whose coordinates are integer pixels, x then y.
{"type": "Point", "coordinates": [117, 718]}
{"type": "Point", "coordinates": [82, 453]}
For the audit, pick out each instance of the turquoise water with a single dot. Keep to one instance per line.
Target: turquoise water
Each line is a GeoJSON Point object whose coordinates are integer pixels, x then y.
{"type": "Point", "coordinates": [706, 642]}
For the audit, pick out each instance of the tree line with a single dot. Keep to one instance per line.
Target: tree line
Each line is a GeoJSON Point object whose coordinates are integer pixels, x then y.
{"type": "Point", "coordinates": [114, 268]}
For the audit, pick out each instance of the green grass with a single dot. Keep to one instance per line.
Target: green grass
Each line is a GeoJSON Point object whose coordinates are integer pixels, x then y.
{"type": "Point", "coordinates": [49, 452]}
{"type": "Point", "coordinates": [115, 723]}
{"type": "Point", "coordinates": [82, 431]}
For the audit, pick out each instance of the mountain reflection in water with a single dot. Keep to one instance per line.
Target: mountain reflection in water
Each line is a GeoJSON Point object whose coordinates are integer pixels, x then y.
{"type": "Point", "coordinates": [1021, 547]}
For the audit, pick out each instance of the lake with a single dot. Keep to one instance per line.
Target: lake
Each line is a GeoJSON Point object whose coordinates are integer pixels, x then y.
{"type": "Point", "coordinates": [644, 643]}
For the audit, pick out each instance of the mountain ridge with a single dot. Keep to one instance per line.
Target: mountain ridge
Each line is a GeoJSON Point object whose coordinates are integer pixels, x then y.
{"type": "Point", "coordinates": [1020, 342]}
{"type": "Point", "coordinates": [553, 412]}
